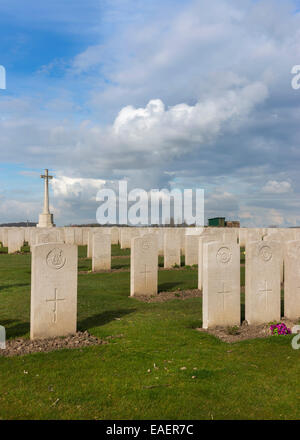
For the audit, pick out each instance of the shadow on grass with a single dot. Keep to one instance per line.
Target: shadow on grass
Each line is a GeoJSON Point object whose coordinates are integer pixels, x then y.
{"type": "Point", "coordinates": [19, 329]}
{"type": "Point", "coordinates": [102, 318]}
{"type": "Point", "coordinates": [120, 266]}
{"type": "Point", "coordinates": [169, 286]}
{"type": "Point", "coordinates": [10, 286]}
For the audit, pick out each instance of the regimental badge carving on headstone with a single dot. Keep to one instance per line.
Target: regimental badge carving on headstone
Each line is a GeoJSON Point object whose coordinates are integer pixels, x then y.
{"type": "Point", "coordinates": [56, 259]}
{"type": "Point", "coordinates": [265, 253]}
{"type": "Point", "coordinates": [224, 255]}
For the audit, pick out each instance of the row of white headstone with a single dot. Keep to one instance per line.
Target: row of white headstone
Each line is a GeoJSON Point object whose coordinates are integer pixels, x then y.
{"type": "Point", "coordinates": [54, 276]}
{"type": "Point", "coordinates": [14, 238]}
{"type": "Point", "coordinates": [54, 282]}
{"type": "Point", "coordinates": [268, 263]}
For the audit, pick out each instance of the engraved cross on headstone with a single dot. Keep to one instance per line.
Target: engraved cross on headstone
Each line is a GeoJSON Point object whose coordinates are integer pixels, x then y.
{"type": "Point", "coordinates": [145, 273]}
{"type": "Point", "coordinates": [265, 291]}
{"type": "Point", "coordinates": [55, 304]}
{"type": "Point", "coordinates": [223, 292]}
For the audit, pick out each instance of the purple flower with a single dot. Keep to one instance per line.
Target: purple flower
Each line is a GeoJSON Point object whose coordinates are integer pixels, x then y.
{"type": "Point", "coordinates": [279, 329]}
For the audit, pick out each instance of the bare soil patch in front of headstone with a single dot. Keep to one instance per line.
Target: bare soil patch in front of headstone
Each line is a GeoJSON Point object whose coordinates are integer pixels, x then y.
{"type": "Point", "coordinates": [244, 331]}
{"type": "Point", "coordinates": [18, 347]}
{"type": "Point", "coordinates": [167, 296]}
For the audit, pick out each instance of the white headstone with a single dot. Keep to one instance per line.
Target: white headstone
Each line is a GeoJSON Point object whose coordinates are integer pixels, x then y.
{"type": "Point", "coordinates": [191, 249]}
{"type": "Point", "coordinates": [172, 246]}
{"type": "Point", "coordinates": [101, 259]}
{"type": "Point", "coordinates": [144, 265]}
{"type": "Point", "coordinates": [221, 284]}
{"type": "Point", "coordinates": [5, 237]}
{"type": "Point", "coordinates": [2, 338]}
{"type": "Point", "coordinates": [53, 290]}
{"type": "Point", "coordinates": [78, 236]}
{"type": "Point", "coordinates": [85, 236]}
{"type": "Point", "coordinates": [253, 235]}
{"type": "Point", "coordinates": [292, 280]}
{"type": "Point", "coordinates": [262, 286]}
{"type": "Point", "coordinates": [127, 234]}
{"type": "Point", "coordinates": [69, 235]}
{"type": "Point", "coordinates": [204, 238]}
{"type": "Point", "coordinates": [15, 240]}
{"type": "Point", "coordinates": [50, 236]}
{"type": "Point", "coordinates": [90, 242]}
{"type": "Point", "coordinates": [114, 231]}
{"type": "Point", "coordinates": [277, 236]}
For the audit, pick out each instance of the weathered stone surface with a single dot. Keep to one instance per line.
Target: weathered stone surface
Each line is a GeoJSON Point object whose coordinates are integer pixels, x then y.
{"type": "Point", "coordinates": [262, 289]}
{"type": "Point", "coordinates": [172, 246]}
{"type": "Point", "coordinates": [46, 218]}
{"type": "Point", "coordinates": [78, 236]}
{"type": "Point", "coordinates": [205, 238]}
{"type": "Point", "coordinates": [2, 338]}
{"type": "Point", "coordinates": [5, 237]}
{"type": "Point", "coordinates": [221, 284]}
{"type": "Point", "coordinates": [53, 290]}
{"type": "Point", "coordinates": [127, 234]}
{"type": "Point", "coordinates": [69, 235]}
{"type": "Point", "coordinates": [114, 232]}
{"type": "Point", "coordinates": [191, 249]}
{"type": "Point", "coordinates": [101, 259]}
{"type": "Point", "coordinates": [15, 240]}
{"type": "Point", "coordinates": [50, 236]}
{"type": "Point", "coordinates": [253, 235]}
{"type": "Point", "coordinates": [292, 279]}
{"type": "Point", "coordinates": [277, 236]}
{"type": "Point", "coordinates": [144, 265]}
{"type": "Point", "coordinates": [85, 236]}
{"type": "Point", "coordinates": [90, 242]}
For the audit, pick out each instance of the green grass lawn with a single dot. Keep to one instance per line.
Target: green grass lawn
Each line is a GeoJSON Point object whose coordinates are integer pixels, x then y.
{"type": "Point", "coordinates": [161, 368]}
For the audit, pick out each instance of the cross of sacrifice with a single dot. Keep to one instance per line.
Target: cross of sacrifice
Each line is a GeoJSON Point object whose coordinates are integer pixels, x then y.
{"type": "Point", "coordinates": [145, 273]}
{"type": "Point", "coordinates": [55, 304]}
{"type": "Point", "coordinates": [46, 191]}
{"type": "Point", "coordinates": [223, 293]}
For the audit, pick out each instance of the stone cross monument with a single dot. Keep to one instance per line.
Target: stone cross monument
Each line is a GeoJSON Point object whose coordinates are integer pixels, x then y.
{"type": "Point", "coordinates": [46, 219]}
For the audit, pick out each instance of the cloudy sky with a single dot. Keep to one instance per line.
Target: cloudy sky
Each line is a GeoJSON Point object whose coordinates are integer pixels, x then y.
{"type": "Point", "coordinates": [162, 93]}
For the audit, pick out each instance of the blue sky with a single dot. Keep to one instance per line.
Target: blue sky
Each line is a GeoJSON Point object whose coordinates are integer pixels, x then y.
{"type": "Point", "coordinates": [161, 93]}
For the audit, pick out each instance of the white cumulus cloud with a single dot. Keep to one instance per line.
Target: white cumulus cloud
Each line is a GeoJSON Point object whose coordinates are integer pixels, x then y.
{"type": "Point", "coordinates": [275, 187]}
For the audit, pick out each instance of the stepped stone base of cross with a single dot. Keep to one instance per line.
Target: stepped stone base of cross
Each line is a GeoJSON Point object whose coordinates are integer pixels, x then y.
{"type": "Point", "coordinates": [45, 221]}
